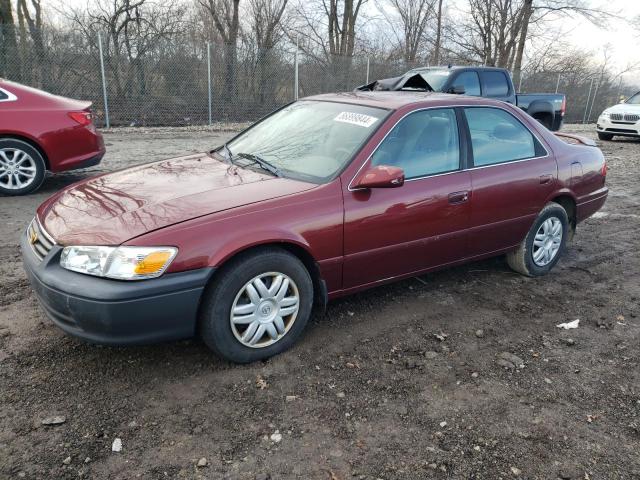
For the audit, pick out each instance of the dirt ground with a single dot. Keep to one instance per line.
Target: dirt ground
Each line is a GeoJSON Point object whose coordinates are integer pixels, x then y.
{"type": "Point", "coordinates": [400, 382]}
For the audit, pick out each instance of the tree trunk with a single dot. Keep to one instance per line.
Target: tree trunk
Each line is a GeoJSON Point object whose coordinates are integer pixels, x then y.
{"type": "Point", "coordinates": [517, 64]}
{"type": "Point", "coordinates": [9, 59]}
{"type": "Point", "coordinates": [436, 50]}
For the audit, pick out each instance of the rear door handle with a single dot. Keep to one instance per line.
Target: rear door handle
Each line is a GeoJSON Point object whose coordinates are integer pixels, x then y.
{"type": "Point", "coordinates": [544, 179]}
{"type": "Point", "coordinates": [458, 197]}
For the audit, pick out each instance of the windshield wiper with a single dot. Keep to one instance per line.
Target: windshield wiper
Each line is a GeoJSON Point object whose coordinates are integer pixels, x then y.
{"type": "Point", "coordinates": [229, 154]}
{"type": "Point", "coordinates": [266, 165]}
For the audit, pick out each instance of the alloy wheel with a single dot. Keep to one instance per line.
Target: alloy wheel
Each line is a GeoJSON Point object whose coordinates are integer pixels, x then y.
{"type": "Point", "coordinates": [264, 309]}
{"type": "Point", "coordinates": [547, 241]}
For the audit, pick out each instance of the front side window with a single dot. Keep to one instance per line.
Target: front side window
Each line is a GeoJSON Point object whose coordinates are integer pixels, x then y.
{"type": "Point", "coordinates": [470, 82]}
{"type": "Point", "coordinates": [635, 100]}
{"type": "Point", "coordinates": [498, 137]}
{"type": "Point", "coordinates": [423, 143]}
{"type": "Point", "coordinates": [310, 140]}
{"type": "Point", "coordinates": [495, 84]}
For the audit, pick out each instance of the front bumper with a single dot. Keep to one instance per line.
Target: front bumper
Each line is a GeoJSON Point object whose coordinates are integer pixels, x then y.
{"type": "Point", "coordinates": [622, 128]}
{"type": "Point", "coordinates": [115, 312]}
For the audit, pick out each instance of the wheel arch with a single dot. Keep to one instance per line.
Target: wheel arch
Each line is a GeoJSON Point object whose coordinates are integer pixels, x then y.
{"type": "Point", "coordinates": [30, 141]}
{"type": "Point", "coordinates": [566, 201]}
{"type": "Point", "coordinates": [542, 110]}
{"type": "Point", "coordinates": [294, 248]}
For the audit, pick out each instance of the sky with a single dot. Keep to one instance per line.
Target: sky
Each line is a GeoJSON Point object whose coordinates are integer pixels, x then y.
{"type": "Point", "coordinates": [622, 40]}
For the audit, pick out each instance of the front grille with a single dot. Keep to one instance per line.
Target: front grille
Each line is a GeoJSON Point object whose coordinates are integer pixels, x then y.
{"type": "Point", "coordinates": [631, 117]}
{"type": "Point", "coordinates": [617, 117]}
{"type": "Point", "coordinates": [40, 241]}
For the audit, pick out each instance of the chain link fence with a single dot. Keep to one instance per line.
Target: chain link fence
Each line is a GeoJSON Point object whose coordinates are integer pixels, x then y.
{"type": "Point", "coordinates": [181, 80]}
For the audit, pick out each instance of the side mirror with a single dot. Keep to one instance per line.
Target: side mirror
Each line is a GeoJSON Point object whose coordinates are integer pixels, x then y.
{"type": "Point", "coordinates": [381, 176]}
{"type": "Point", "coordinates": [457, 90]}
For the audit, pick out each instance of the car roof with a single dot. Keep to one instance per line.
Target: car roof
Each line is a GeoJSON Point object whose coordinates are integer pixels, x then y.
{"type": "Point", "coordinates": [398, 99]}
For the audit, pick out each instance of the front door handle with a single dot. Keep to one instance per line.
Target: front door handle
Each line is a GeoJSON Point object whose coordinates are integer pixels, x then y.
{"type": "Point", "coordinates": [458, 197]}
{"type": "Point", "coordinates": [544, 179]}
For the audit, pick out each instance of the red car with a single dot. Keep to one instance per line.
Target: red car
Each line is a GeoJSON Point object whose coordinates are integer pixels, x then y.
{"type": "Point", "coordinates": [325, 197]}
{"type": "Point", "coordinates": [40, 132]}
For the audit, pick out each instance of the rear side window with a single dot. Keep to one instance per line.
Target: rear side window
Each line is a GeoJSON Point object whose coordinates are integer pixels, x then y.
{"type": "Point", "coordinates": [470, 82]}
{"type": "Point", "coordinates": [495, 84]}
{"type": "Point", "coordinates": [498, 137]}
{"type": "Point", "coordinates": [423, 143]}
{"type": "Point", "coordinates": [3, 96]}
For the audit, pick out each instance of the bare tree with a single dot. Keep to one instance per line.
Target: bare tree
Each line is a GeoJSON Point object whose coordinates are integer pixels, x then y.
{"type": "Point", "coordinates": [438, 41]}
{"type": "Point", "coordinates": [535, 12]}
{"type": "Point", "coordinates": [133, 29]}
{"type": "Point", "coordinates": [225, 15]}
{"type": "Point", "coordinates": [413, 17]}
{"type": "Point", "coordinates": [266, 27]}
{"type": "Point", "coordinates": [9, 61]}
{"type": "Point", "coordinates": [35, 26]}
{"type": "Point", "coordinates": [342, 17]}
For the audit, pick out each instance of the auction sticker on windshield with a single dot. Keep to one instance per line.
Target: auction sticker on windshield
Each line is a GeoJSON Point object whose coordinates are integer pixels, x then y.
{"type": "Point", "coordinates": [359, 119]}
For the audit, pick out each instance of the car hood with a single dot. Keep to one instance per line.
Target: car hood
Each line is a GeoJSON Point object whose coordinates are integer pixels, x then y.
{"type": "Point", "coordinates": [624, 108]}
{"type": "Point", "coordinates": [116, 207]}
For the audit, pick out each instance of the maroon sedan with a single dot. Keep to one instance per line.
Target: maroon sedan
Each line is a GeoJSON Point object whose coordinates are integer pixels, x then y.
{"type": "Point", "coordinates": [40, 132]}
{"type": "Point", "coordinates": [325, 197]}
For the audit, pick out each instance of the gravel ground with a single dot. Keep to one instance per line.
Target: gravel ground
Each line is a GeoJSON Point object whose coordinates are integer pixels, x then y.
{"type": "Point", "coordinates": [457, 374]}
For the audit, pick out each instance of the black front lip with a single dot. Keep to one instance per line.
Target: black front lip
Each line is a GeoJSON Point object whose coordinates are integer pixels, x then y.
{"type": "Point", "coordinates": [115, 312]}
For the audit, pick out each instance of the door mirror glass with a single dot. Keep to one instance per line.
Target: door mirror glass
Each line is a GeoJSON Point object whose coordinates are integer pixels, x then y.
{"type": "Point", "coordinates": [381, 176]}
{"type": "Point", "coordinates": [457, 90]}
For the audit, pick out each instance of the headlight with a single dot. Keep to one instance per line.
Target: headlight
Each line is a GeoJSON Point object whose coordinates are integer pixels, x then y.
{"type": "Point", "coordinates": [605, 114]}
{"type": "Point", "coordinates": [121, 263]}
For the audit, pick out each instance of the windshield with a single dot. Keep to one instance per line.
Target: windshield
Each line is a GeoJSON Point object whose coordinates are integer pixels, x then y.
{"type": "Point", "coordinates": [435, 78]}
{"type": "Point", "coordinates": [309, 140]}
{"type": "Point", "coordinates": [635, 100]}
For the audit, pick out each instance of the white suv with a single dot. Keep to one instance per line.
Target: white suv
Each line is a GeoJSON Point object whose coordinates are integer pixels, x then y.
{"type": "Point", "coordinates": [622, 119]}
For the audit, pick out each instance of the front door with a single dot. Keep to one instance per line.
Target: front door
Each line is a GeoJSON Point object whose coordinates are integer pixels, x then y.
{"type": "Point", "coordinates": [396, 231]}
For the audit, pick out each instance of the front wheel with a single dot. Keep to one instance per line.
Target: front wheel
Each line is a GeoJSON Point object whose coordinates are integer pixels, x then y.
{"type": "Point", "coordinates": [257, 306]}
{"type": "Point", "coordinates": [541, 249]}
{"type": "Point", "coordinates": [605, 136]}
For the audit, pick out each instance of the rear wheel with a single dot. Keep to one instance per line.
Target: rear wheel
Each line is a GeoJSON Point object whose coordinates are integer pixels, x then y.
{"type": "Point", "coordinates": [605, 136]}
{"type": "Point", "coordinates": [541, 249]}
{"type": "Point", "coordinates": [22, 168]}
{"type": "Point", "coordinates": [257, 306]}
{"type": "Point", "coordinates": [545, 119]}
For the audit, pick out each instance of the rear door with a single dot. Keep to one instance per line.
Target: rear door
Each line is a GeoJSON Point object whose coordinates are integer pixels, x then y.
{"type": "Point", "coordinates": [495, 84]}
{"type": "Point", "coordinates": [389, 232]}
{"type": "Point", "coordinates": [512, 177]}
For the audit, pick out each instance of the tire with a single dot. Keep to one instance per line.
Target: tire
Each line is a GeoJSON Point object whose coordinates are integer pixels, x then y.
{"type": "Point", "coordinates": [20, 163]}
{"type": "Point", "coordinates": [230, 290]}
{"type": "Point", "coordinates": [523, 260]}
{"type": "Point", "coordinates": [605, 136]}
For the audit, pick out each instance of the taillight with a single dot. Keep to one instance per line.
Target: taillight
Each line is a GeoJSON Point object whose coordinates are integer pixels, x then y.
{"type": "Point", "coordinates": [604, 169]}
{"type": "Point", "coordinates": [563, 108]}
{"type": "Point", "coordinates": [83, 118]}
